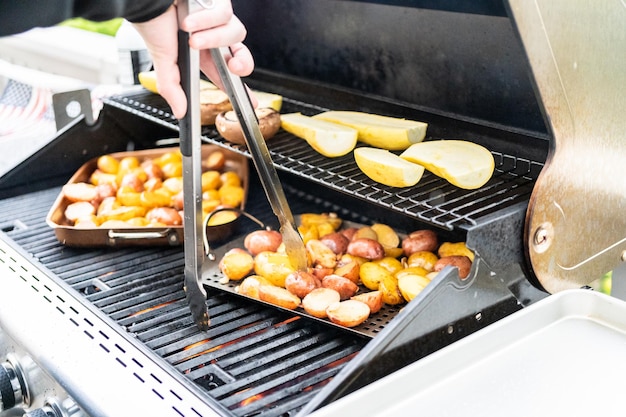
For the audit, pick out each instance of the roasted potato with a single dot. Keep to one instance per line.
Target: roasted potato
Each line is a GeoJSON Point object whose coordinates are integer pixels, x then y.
{"type": "Point", "coordinates": [321, 254]}
{"type": "Point", "coordinates": [301, 283]}
{"type": "Point", "coordinates": [336, 241]}
{"type": "Point", "coordinates": [274, 266]}
{"type": "Point", "coordinates": [317, 301]}
{"type": "Point", "coordinates": [373, 299]}
{"type": "Point", "coordinates": [424, 259]}
{"type": "Point", "coordinates": [463, 264]}
{"type": "Point", "coordinates": [372, 274]}
{"type": "Point", "coordinates": [452, 249]}
{"type": "Point", "coordinates": [348, 313]}
{"type": "Point", "coordinates": [278, 296]}
{"type": "Point", "coordinates": [366, 248]}
{"type": "Point", "coordinates": [262, 240]}
{"type": "Point", "coordinates": [236, 264]}
{"type": "Point", "coordinates": [420, 240]}
{"type": "Point", "coordinates": [342, 285]}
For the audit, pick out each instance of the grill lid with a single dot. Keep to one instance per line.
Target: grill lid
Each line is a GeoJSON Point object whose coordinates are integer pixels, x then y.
{"type": "Point", "coordinates": [575, 224]}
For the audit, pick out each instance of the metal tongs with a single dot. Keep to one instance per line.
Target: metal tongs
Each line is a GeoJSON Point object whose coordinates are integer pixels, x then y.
{"type": "Point", "coordinates": [191, 147]}
{"type": "Point", "coordinates": [238, 94]}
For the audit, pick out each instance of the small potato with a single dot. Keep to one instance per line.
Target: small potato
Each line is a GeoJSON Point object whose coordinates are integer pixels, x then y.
{"type": "Point", "coordinates": [372, 274]}
{"type": "Point", "coordinates": [314, 219]}
{"type": "Point", "coordinates": [153, 171]}
{"type": "Point", "coordinates": [165, 215]}
{"type": "Point", "coordinates": [412, 270]}
{"type": "Point", "coordinates": [349, 232]}
{"type": "Point", "coordinates": [348, 270]}
{"type": "Point", "coordinates": [278, 296]}
{"type": "Point", "coordinates": [365, 232]}
{"type": "Point", "coordinates": [106, 205]}
{"type": "Point", "coordinates": [348, 313]}
{"type": "Point", "coordinates": [320, 271]}
{"type": "Point", "coordinates": [301, 283]}
{"type": "Point", "coordinates": [424, 259]}
{"type": "Point", "coordinates": [463, 263]}
{"type": "Point", "coordinates": [373, 299]}
{"type": "Point", "coordinates": [104, 191]}
{"type": "Point", "coordinates": [391, 293]}
{"type": "Point", "coordinates": [411, 285]}
{"type": "Point", "coordinates": [236, 264]}
{"type": "Point", "coordinates": [420, 240]}
{"type": "Point", "coordinates": [386, 235]}
{"type": "Point", "coordinates": [336, 241]}
{"type": "Point", "coordinates": [250, 286]}
{"type": "Point", "coordinates": [79, 210]}
{"type": "Point", "coordinates": [366, 248]}
{"type": "Point", "coordinates": [321, 254]}
{"type": "Point", "coordinates": [392, 265]}
{"type": "Point", "coordinates": [122, 213]}
{"type": "Point", "coordinates": [343, 286]}
{"type": "Point", "coordinates": [274, 266]}
{"type": "Point", "coordinates": [458, 248]}
{"type": "Point", "coordinates": [215, 161]}
{"type": "Point", "coordinates": [108, 164]}
{"type": "Point", "coordinates": [262, 240]}
{"type": "Point", "coordinates": [80, 191]}
{"type": "Point", "coordinates": [231, 195]}
{"type": "Point", "coordinates": [132, 180]}
{"type": "Point", "coordinates": [317, 301]}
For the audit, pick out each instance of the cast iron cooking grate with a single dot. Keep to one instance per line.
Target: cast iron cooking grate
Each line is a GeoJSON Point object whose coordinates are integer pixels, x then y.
{"type": "Point", "coordinates": [254, 360]}
{"type": "Point", "coordinates": [432, 200]}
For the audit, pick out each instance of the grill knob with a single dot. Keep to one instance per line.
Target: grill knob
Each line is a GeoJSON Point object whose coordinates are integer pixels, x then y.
{"type": "Point", "coordinates": [13, 389]}
{"type": "Point", "coordinates": [56, 408]}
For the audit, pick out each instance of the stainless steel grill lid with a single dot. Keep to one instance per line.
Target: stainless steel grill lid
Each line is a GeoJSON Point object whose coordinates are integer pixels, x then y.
{"type": "Point", "coordinates": [575, 227]}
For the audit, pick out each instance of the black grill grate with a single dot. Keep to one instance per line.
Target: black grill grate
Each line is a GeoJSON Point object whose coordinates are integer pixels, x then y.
{"type": "Point", "coordinates": [432, 200]}
{"type": "Point", "coordinates": [254, 360]}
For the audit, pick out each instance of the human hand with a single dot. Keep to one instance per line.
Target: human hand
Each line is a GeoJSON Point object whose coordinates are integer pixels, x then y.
{"type": "Point", "coordinates": [208, 28]}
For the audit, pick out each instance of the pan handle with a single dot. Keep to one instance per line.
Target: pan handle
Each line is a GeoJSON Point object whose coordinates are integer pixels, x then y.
{"type": "Point", "coordinates": [169, 234]}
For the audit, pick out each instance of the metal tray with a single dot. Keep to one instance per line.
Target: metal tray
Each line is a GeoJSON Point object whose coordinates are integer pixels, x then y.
{"type": "Point", "coordinates": [562, 356]}
{"type": "Point", "coordinates": [172, 235]}
{"type": "Point", "coordinates": [213, 277]}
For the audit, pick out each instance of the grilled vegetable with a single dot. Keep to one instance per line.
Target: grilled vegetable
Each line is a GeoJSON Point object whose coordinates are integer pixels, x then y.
{"type": "Point", "coordinates": [327, 138]}
{"type": "Point", "coordinates": [387, 168]}
{"type": "Point", "coordinates": [348, 313]}
{"type": "Point", "coordinates": [462, 163]}
{"type": "Point", "coordinates": [379, 131]}
{"type": "Point", "coordinates": [229, 127]}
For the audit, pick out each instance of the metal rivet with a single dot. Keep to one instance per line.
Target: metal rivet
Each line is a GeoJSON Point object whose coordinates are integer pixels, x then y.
{"type": "Point", "coordinates": [542, 238]}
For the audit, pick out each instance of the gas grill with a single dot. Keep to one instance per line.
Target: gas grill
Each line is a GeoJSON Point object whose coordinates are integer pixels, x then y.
{"type": "Point", "coordinates": [111, 325]}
